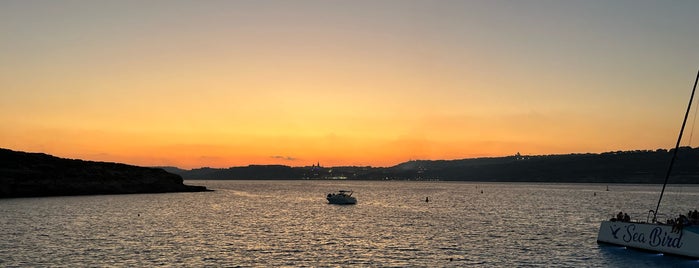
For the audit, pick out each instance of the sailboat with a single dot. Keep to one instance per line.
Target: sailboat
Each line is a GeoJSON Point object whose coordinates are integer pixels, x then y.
{"type": "Point", "coordinates": [655, 236]}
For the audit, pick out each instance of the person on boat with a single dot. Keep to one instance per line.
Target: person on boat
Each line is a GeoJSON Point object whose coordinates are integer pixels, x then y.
{"type": "Point", "coordinates": [680, 222]}
{"type": "Point", "coordinates": [620, 216]}
{"type": "Point", "coordinates": [685, 220]}
{"type": "Point", "coordinates": [677, 227]}
{"type": "Point", "coordinates": [627, 218]}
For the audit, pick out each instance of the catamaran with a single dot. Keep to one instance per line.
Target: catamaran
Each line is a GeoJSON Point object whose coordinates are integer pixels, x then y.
{"type": "Point", "coordinates": [676, 237]}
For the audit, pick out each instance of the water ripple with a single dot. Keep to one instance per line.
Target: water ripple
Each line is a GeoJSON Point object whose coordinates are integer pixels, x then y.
{"type": "Point", "coordinates": [289, 224]}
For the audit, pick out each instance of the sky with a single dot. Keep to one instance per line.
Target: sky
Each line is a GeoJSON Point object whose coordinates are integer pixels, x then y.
{"type": "Point", "coordinates": [230, 83]}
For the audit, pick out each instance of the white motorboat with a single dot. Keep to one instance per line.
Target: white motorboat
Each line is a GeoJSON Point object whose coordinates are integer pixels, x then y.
{"type": "Point", "coordinates": [677, 237]}
{"type": "Point", "coordinates": [342, 197]}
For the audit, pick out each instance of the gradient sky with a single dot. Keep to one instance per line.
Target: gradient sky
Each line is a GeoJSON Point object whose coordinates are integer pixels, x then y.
{"type": "Point", "coordinates": [229, 83]}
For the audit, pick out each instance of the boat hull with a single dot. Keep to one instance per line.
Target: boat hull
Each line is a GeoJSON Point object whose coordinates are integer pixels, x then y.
{"type": "Point", "coordinates": [651, 237]}
{"type": "Point", "coordinates": [342, 200]}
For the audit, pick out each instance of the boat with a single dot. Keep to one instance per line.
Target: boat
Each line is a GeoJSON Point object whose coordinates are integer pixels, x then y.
{"type": "Point", "coordinates": [342, 197]}
{"type": "Point", "coordinates": [675, 237]}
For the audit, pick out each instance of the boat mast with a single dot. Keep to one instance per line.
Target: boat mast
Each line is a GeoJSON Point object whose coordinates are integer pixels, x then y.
{"type": "Point", "coordinates": [677, 148]}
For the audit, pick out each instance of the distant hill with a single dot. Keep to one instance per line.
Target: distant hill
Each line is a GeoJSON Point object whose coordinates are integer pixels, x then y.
{"type": "Point", "coordinates": [642, 166]}
{"type": "Point", "coordinates": [610, 167]}
{"type": "Point", "coordinates": [36, 174]}
{"type": "Point", "coordinates": [265, 172]}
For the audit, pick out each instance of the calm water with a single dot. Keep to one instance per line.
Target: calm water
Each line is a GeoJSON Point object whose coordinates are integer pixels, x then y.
{"type": "Point", "coordinates": [289, 223]}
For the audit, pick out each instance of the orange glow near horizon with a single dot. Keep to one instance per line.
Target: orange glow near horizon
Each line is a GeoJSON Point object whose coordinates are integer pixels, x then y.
{"type": "Point", "coordinates": [430, 138]}
{"type": "Point", "coordinates": [223, 84]}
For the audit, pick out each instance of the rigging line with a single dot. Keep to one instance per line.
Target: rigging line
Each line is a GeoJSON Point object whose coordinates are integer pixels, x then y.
{"type": "Point", "coordinates": [677, 146]}
{"type": "Point", "coordinates": [694, 120]}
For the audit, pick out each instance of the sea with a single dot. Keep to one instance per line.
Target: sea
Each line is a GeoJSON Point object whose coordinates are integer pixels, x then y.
{"type": "Point", "coordinates": [262, 223]}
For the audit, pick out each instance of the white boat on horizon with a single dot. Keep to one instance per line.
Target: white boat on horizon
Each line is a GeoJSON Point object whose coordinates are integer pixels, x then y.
{"type": "Point", "coordinates": [676, 237]}
{"type": "Point", "coordinates": [342, 197]}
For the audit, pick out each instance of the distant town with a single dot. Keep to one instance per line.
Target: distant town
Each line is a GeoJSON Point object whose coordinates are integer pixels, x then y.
{"type": "Point", "coordinates": [640, 166]}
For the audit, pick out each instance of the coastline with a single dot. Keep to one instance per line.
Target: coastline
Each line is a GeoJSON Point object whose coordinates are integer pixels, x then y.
{"type": "Point", "coordinates": [25, 174]}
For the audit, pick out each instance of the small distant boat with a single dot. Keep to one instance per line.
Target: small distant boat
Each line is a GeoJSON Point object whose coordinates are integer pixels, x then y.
{"type": "Point", "coordinates": [342, 197]}
{"type": "Point", "coordinates": [680, 237]}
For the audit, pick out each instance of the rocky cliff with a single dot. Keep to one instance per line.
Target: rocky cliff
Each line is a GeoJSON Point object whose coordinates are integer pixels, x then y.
{"type": "Point", "coordinates": [36, 174]}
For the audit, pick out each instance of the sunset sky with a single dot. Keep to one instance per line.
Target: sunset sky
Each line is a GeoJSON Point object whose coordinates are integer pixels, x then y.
{"type": "Point", "coordinates": [231, 83]}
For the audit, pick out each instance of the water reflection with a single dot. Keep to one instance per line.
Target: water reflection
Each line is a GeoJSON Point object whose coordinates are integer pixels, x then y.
{"type": "Point", "coordinates": [289, 223]}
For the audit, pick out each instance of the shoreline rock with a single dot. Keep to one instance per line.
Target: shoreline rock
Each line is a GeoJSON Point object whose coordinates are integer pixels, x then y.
{"type": "Point", "coordinates": [25, 174]}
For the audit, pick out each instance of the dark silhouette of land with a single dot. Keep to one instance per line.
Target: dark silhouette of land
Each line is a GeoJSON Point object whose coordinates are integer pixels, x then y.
{"type": "Point", "coordinates": [36, 174]}
{"type": "Point", "coordinates": [642, 166]}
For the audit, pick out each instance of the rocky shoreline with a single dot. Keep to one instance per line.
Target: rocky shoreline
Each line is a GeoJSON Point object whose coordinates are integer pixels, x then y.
{"type": "Point", "coordinates": [36, 174]}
